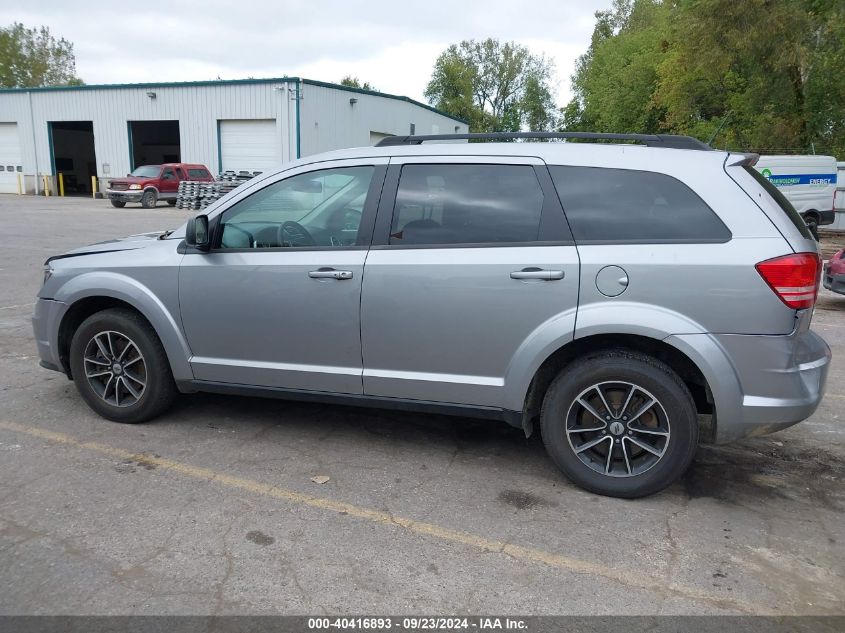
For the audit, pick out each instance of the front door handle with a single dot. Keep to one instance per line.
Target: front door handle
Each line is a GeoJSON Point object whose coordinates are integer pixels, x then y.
{"type": "Point", "coordinates": [537, 273]}
{"type": "Point", "coordinates": [330, 273]}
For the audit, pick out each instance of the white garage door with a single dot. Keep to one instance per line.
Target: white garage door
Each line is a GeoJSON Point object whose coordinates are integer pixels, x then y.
{"type": "Point", "coordinates": [250, 145]}
{"type": "Point", "coordinates": [10, 157]}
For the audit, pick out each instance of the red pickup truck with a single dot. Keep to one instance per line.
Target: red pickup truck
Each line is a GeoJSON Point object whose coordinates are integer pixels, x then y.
{"type": "Point", "coordinates": [150, 183]}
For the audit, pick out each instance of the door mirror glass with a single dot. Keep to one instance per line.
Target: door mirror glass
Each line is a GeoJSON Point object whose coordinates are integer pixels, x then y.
{"type": "Point", "coordinates": [197, 232]}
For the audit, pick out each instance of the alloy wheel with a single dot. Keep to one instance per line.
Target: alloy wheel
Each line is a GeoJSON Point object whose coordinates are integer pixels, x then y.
{"type": "Point", "coordinates": [618, 428]}
{"type": "Point", "coordinates": [115, 368]}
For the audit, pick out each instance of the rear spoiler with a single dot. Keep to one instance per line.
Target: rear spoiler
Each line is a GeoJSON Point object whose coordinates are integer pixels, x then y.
{"type": "Point", "coordinates": [741, 160]}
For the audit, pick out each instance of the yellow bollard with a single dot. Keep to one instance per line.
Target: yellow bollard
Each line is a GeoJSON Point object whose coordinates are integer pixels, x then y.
{"type": "Point", "coordinates": [20, 186]}
{"type": "Point", "coordinates": [93, 186]}
{"type": "Point", "coordinates": [61, 184]}
{"type": "Point", "coordinates": [46, 186]}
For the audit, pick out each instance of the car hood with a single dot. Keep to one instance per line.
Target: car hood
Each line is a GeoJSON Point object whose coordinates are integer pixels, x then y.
{"type": "Point", "coordinates": [131, 242]}
{"type": "Point", "coordinates": [132, 180]}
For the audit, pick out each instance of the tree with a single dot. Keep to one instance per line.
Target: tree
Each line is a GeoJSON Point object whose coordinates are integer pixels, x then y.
{"type": "Point", "coordinates": [615, 80]}
{"type": "Point", "coordinates": [32, 57]}
{"type": "Point", "coordinates": [757, 75]}
{"type": "Point", "coordinates": [497, 87]}
{"type": "Point", "coordinates": [354, 82]}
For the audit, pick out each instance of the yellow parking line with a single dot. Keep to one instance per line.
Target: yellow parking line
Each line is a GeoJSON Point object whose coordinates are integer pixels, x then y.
{"type": "Point", "coordinates": [636, 579]}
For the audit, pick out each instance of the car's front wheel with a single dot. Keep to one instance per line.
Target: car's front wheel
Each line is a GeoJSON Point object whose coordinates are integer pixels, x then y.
{"type": "Point", "coordinates": [149, 199]}
{"type": "Point", "coordinates": [120, 367]}
{"type": "Point", "coordinates": [620, 423]}
{"type": "Point", "coordinates": [119, 204]}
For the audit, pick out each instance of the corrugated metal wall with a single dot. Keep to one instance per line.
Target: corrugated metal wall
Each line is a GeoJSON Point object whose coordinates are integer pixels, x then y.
{"type": "Point", "coordinates": [196, 107]}
{"type": "Point", "coordinates": [329, 121]}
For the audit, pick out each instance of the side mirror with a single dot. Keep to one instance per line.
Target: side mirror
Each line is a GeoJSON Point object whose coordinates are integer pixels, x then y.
{"type": "Point", "coordinates": [196, 234]}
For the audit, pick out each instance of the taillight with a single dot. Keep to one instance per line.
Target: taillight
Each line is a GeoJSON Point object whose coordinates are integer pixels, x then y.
{"type": "Point", "coordinates": [794, 278]}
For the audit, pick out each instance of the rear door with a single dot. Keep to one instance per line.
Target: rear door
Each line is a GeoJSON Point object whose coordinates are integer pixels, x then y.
{"type": "Point", "coordinates": [471, 255]}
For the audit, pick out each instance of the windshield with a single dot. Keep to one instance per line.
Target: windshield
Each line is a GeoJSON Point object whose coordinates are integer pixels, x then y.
{"type": "Point", "coordinates": [147, 171]}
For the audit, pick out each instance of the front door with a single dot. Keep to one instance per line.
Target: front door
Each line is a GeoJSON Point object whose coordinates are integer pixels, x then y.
{"type": "Point", "coordinates": [168, 183]}
{"type": "Point", "coordinates": [276, 302]}
{"type": "Point", "coordinates": [471, 259]}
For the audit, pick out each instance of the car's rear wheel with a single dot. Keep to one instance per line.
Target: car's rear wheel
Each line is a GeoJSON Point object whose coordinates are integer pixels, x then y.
{"type": "Point", "coordinates": [120, 367]}
{"type": "Point", "coordinates": [149, 199]}
{"type": "Point", "coordinates": [118, 203]}
{"type": "Point", "coordinates": [620, 423]}
{"type": "Point", "coordinates": [812, 221]}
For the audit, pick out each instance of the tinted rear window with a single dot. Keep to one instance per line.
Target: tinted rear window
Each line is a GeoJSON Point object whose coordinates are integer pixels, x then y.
{"type": "Point", "coordinates": [781, 200]}
{"type": "Point", "coordinates": [197, 173]}
{"type": "Point", "coordinates": [624, 205]}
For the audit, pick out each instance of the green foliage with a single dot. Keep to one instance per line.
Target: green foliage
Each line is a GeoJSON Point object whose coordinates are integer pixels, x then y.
{"type": "Point", "coordinates": [615, 80]}
{"type": "Point", "coordinates": [497, 87]}
{"type": "Point", "coordinates": [354, 82]}
{"type": "Point", "coordinates": [32, 57]}
{"type": "Point", "coordinates": [762, 75]}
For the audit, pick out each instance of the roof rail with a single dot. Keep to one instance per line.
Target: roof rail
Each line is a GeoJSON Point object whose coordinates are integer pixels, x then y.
{"type": "Point", "coordinates": [671, 141]}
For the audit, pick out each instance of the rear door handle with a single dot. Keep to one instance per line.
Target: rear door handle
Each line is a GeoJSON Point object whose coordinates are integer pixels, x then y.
{"type": "Point", "coordinates": [330, 273]}
{"type": "Point", "coordinates": [538, 273]}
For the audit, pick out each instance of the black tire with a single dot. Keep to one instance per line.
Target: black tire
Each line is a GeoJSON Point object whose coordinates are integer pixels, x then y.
{"type": "Point", "coordinates": [118, 204]}
{"type": "Point", "coordinates": [149, 199]}
{"type": "Point", "coordinates": [159, 391]}
{"type": "Point", "coordinates": [614, 369]}
{"type": "Point", "coordinates": [813, 224]}
{"type": "Point", "coordinates": [172, 203]}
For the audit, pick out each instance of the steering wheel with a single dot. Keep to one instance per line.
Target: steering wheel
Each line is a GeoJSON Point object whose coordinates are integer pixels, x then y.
{"type": "Point", "coordinates": [348, 214]}
{"type": "Point", "coordinates": [294, 234]}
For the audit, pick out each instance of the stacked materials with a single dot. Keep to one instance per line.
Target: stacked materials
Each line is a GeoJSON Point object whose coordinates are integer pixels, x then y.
{"type": "Point", "coordinates": [195, 195]}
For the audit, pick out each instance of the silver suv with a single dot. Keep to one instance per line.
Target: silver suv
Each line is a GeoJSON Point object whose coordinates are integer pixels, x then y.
{"type": "Point", "coordinates": [628, 299]}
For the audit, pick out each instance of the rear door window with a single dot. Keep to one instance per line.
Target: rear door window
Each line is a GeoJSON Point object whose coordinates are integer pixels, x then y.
{"type": "Point", "coordinates": [605, 205]}
{"type": "Point", "coordinates": [466, 204]}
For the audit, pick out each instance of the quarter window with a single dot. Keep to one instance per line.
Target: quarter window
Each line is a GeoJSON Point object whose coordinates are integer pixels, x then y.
{"type": "Point", "coordinates": [625, 205]}
{"type": "Point", "coordinates": [466, 204]}
{"type": "Point", "coordinates": [319, 208]}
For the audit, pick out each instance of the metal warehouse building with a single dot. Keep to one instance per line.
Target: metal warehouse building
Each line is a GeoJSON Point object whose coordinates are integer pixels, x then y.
{"type": "Point", "coordinates": [253, 124]}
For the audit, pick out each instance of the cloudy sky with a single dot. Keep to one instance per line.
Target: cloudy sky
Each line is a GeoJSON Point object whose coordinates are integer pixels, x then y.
{"type": "Point", "coordinates": [391, 44]}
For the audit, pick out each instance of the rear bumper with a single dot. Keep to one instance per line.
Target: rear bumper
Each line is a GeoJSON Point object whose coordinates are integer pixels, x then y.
{"type": "Point", "coordinates": [836, 283]}
{"type": "Point", "coordinates": [762, 384]}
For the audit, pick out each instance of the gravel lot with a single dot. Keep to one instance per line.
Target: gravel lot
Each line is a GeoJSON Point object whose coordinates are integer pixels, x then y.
{"type": "Point", "coordinates": [211, 509]}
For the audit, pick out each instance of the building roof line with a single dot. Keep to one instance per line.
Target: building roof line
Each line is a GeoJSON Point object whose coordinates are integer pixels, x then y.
{"type": "Point", "coordinates": [376, 93]}
{"type": "Point", "coordinates": [230, 82]}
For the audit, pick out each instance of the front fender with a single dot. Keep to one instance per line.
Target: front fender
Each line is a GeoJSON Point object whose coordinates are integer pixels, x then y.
{"type": "Point", "coordinates": [131, 291]}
